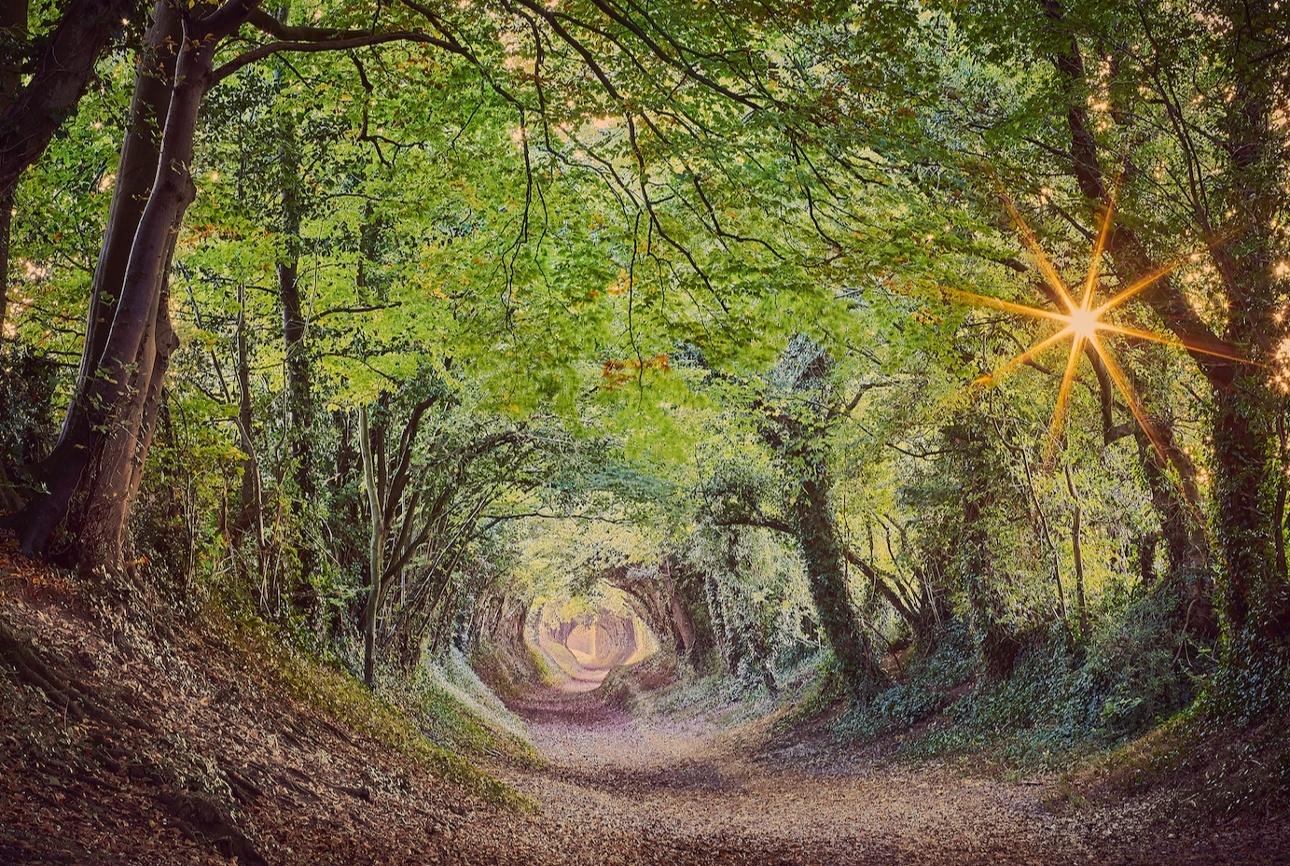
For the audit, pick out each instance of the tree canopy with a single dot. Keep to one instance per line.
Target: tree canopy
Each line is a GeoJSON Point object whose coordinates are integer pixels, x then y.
{"type": "Point", "coordinates": [846, 326]}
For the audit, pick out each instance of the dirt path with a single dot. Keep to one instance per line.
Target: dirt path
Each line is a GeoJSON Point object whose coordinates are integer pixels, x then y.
{"type": "Point", "coordinates": [683, 791]}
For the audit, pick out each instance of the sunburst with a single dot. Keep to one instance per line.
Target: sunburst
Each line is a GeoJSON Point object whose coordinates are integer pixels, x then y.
{"type": "Point", "coordinates": [1085, 322]}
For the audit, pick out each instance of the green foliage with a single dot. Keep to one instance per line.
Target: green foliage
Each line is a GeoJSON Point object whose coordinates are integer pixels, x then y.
{"type": "Point", "coordinates": [27, 386]}
{"type": "Point", "coordinates": [658, 278]}
{"type": "Point", "coordinates": [1137, 670]}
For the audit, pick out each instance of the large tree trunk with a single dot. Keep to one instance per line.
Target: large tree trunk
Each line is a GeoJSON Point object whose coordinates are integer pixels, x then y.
{"type": "Point", "coordinates": [13, 33]}
{"type": "Point", "coordinates": [727, 644]}
{"type": "Point", "coordinates": [105, 431]}
{"type": "Point", "coordinates": [1177, 505]}
{"type": "Point", "coordinates": [744, 634]}
{"type": "Point", "coordinates": [103, 538]}
{"type": "Point", "coordinates": [1254, 592]}
{"type": "Point", "coordinates": [682, 621]}
{"type": "Point", "coordinates": [1254, 595]}
{"type": "Point", "coordinates": [136, 171]}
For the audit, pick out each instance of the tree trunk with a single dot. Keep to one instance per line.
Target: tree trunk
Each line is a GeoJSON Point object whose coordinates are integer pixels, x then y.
{"type": "Point", "coordinates": [999, 647]}
{"type": "Point", "coordinates": [136, 171]}
{"type": "Point", "coordinates": [1178, 510]}
{"type": "Point", "coordinates": [105, 425]}
{"type": "Point", "coordinates": [376, 548]}
{"type": "Point", "coordinates": [249, 508]}
{"type": "Point", "coordinates": [61, 74]}
{"type": "Point", "coordinates": [13, 34]}
{"type": "Point", "coordinates": [1255, 596]}
{"type": "Point", "coordinates": [299, 392]}
{"type": "Point", "coordinates": [730, 649]}
{"type": "Point", "coordinates": [1253, 590]}
{"type": "Point", "coordinates": [682, 621]}
{"type": "Point", "coordinates": [1077, 554]}
{"type": "Point", "coordinates": [822, 553]}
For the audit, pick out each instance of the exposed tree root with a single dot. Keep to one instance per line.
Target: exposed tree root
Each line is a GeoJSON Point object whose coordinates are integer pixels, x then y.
{"type": "Point", "coordinates": [68, 695]}
{"type": "Point", "coordinates": [206, 820]}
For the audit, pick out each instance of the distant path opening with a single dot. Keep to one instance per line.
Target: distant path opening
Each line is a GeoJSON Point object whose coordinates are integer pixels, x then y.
{"type": "Point", "coordinates": [579, 647]}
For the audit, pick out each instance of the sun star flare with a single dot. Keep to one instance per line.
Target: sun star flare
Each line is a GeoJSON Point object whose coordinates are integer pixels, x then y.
{"type": "Point", "coordinates": [1085, 323]}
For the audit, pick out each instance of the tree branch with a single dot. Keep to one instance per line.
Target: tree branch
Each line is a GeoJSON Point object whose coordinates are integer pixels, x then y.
{"type": "Point", "coordinates": [340, 44]}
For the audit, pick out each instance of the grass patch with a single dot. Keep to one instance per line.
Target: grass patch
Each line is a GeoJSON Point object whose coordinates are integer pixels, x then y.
{"type": "Point", "coordinates": [453, 707]}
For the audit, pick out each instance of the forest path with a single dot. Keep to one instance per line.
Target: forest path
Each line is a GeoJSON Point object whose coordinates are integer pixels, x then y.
{"type": "Point", "coordinates": [661, 789]}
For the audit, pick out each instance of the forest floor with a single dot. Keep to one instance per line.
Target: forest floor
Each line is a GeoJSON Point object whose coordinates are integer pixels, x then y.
{"type": "Point", "coordinates": [697, 791]}
{"type": "Point", "coordinates": [127, 743]}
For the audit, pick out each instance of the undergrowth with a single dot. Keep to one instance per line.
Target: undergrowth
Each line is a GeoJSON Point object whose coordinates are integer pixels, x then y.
{"type": "Point", "coordinates": [453, 707]}
{"type": "Point", "coordinates": [1062, 701]}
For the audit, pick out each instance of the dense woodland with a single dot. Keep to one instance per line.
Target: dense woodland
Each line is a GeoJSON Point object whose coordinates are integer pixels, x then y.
{"type": "Point", "coordinates": [880, 346]}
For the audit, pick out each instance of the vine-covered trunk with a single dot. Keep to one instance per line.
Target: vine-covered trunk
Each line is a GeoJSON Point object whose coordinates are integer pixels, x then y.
{"type": "Point", "coordinates": [1246, 197]}
{"type": "Point", "coordinates": [1255, 596]}
{"type": "Point", "coordinates": [376, 543]}
{"type": "Point", "coordinates": [826, 575]}
{"type": "Point", "coordinates": [730, 648]}
{"type": "Point", "coordinates": [1254, 591]}
{"type": "Point", "coordinates": [999, 647]}
{"type": "Point", "coordinates": [300, 413]}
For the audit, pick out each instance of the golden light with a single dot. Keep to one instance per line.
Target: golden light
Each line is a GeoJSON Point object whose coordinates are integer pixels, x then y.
{"type": "Point", "coordinates": [1084, 323]}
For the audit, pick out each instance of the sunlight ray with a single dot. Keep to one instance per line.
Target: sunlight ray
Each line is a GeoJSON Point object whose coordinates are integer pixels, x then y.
{"type": "Point", "coordinates": [1163, 339]}
{"type": "Point", "coordinates": [1083, 321]}
{"type": "Point", "coordinates": [1000, 372]}
{"type": "Point", "coordinates": [1142, 284]}
{"type": "Point", "coordinates": [1000, 304]}
{"type": "Point", "coordinates": [1131, 400]}
{"type": "Point", "coordinates": [1046, 266]}
{"type": "Point", "coordinates": [1056, 431]}
{"type": "Point", "coordinates": [1095, 263]}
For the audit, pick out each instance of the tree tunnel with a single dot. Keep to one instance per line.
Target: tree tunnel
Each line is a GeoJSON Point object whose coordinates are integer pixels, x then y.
{"type": "Point", "coordinates": [579, 641]}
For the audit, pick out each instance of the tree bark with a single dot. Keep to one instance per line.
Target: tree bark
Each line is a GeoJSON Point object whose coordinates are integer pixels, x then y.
{"type": "Point", "coordinates": [682, 621]}
{"type": "Point", "coordinates": [300, 415]}
{"type": "Point", "coordinates": [105, 425]}
{"type": "Point", "coordinates": [822, 553]}
{"type": "Point", "coordinates": [1077, 554]}
{"type": "Point", "coordinates": [57, 82]}
{"type": "Point", "coordinates": [999, 647]}
{"type": "Point", "coordinates": [13, 34]}
{"type": "Point", "coordinates": [730, 649]}
{"type": "Point", "coordinates": [1254, 590]}
{"type": "Point", "coordinates": [372, 484]}
{"type": "Point", "coordinates": [250, 506]}
{"type": "Point", "coordinates": [136, 171]}
{"type": "Point", "coordinates": [1254, 593]}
